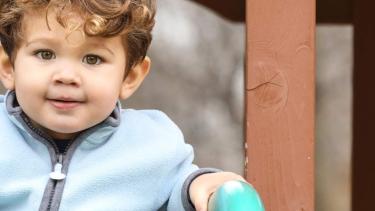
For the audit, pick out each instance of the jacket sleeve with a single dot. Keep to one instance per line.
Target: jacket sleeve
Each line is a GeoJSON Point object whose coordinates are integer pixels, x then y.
{"type": "Point", "coordinates": [179, 171]}
{"type": "Point", "coordinates": [185, 197]}
{"type": "Point", "coordinates": [187, 172]}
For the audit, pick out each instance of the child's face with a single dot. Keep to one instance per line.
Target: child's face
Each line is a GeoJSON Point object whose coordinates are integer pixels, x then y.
{"type": "Point", "coordinates": [66, 85]}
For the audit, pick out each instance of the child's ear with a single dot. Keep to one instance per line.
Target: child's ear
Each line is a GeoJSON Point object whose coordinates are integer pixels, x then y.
{"type": "Point", "coordinates": [6, 70]}
{"type": "Point", "coordinates": [134, 78]}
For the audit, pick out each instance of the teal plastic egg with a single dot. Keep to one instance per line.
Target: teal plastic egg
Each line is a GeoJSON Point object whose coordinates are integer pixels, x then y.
{"type": "Point", "coordinates": [235, 196]}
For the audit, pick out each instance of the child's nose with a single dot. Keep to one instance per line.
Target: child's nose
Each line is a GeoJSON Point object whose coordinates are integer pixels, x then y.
{"type": "Point", "coordinates": [67, 76]}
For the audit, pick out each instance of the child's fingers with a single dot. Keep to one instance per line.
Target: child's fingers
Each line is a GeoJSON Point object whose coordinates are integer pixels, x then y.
{"type": "Point", "coordinates": [201, 204]}
{"type": "Point", "coordinates": [205, 185]}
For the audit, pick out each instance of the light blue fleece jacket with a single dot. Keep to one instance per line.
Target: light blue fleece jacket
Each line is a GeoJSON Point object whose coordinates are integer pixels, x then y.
{"type": "Point", "coordinates": [138, 164]}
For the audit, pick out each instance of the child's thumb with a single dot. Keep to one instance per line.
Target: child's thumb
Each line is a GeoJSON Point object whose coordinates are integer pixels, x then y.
{"type": "Point", "coordinates": [201, 201]}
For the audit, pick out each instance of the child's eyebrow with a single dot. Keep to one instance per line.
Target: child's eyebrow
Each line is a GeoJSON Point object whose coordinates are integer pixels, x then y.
{"type": "Point", "coordinates": [86, 45]}
{"type": "Point", "coordinates": [98, 45]}
{"type": "Point", "coordinates": [42, 40]}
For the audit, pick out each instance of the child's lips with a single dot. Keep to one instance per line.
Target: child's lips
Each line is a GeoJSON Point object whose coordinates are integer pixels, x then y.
{"type": "Point", "coordinates": [64, 104]}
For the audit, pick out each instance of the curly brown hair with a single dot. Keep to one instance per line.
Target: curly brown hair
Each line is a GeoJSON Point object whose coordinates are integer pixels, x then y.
{"type": "Point", "coordinates": [132, 19]}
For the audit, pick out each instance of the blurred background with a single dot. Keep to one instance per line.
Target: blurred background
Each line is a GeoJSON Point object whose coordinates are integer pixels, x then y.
{"type": "Point", "coordinates": [333, 136]}
{"type": "Point", "coordinates": [197, 79]}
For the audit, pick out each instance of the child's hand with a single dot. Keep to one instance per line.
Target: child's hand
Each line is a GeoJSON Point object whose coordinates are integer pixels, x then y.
{"type": "Point", "coordinates": [203, 186]}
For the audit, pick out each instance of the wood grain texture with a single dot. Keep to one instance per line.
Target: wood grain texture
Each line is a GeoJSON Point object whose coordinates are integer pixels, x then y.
{"type": "Point", "coordinates": [363, 168]}
{"type": "Point", "coordinates": [280, 102]}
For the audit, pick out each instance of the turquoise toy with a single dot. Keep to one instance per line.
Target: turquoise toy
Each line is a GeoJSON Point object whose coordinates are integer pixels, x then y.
{"type": "Point", "coordinates": [235, 196]}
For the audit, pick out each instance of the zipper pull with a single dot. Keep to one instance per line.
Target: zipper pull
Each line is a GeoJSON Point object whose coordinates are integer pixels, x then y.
{"type": "Point", "coordinates": [56, 174]}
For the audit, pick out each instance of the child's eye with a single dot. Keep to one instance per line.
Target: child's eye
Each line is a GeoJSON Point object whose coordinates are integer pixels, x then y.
{"type": "Point", "coordinates": [45, 54]}
{"type": "Point", "coordinates": [92, 59]}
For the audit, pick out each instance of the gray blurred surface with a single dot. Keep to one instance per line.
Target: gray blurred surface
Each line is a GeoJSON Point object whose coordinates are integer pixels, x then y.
{"type": "Point", "coordinates": [333, 117]}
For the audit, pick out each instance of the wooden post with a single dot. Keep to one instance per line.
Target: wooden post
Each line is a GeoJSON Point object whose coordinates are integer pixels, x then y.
{"type": "Point", "coordinates": [280, 102]}
{"type": "Point", "coordinates": [363, 170]}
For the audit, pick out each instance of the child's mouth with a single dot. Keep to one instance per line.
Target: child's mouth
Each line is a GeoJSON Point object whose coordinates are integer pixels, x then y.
{"type": "Point", "coordinates": [64, 104]}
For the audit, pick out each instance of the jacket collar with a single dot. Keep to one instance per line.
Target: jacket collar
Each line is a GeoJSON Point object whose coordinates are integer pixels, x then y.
{"type": "Point", "coordinates": [92, 137]}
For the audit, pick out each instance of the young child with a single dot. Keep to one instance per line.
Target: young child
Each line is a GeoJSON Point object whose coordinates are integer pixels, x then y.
{"type": "Point", "coordinates": [66, 144]}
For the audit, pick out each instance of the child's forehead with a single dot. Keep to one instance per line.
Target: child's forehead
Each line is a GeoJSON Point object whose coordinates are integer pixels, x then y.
{"type": "Point", "coordinates": [38, 27]}
{"type": "Point", "coordinates": [49, 20]}
{"type": "Point", "coordinates": [42, 26]}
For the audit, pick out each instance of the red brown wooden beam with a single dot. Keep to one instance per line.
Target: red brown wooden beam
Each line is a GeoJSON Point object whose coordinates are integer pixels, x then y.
{"type": "Point", "coordinates": [280, 102]}
{"type": "Point", "coordinates": [363, 167]}
{"type": "Point", "coordinates": [328, 11]}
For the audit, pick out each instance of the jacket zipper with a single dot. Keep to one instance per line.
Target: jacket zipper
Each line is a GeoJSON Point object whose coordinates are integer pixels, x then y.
{"type": "Point", "coordinates": [56, 176]}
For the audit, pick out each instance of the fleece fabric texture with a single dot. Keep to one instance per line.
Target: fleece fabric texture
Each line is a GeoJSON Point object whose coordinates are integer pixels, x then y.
{"type": "Point", "coordinates": [137, 166]}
